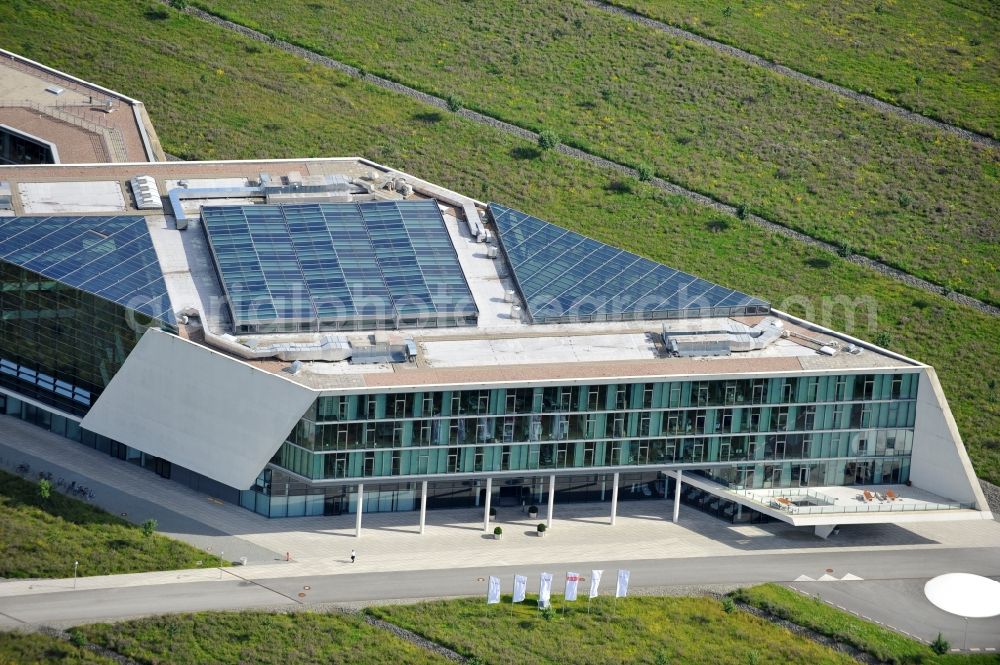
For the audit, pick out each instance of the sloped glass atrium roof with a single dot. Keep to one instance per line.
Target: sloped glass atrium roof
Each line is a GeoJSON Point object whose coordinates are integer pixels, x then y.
{"type": "Point", "coordinates": [110, 257]}
{"type": "Point", "coordinates": [566, 277]}
{"type": "Point", "coordinates": [338, 266]}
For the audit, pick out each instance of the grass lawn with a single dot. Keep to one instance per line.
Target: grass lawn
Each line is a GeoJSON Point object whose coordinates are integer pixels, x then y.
{"type": "Point", "coordinates": [916, 197]}
{"type": "Point", "coordinates": [261, 638]}
{"type": "Point", "coordinates": [936, 57]}
{"type": "Point", "coordinates": [884, 644]}
{"type": "Point", "coordinates": [213, 94]}
{"type": "Point", "coordinates": [42, 537]}
{"type": "Point", "coordinates": [638, 630]}
{"type": "Point", "coordinates": [36, 649]}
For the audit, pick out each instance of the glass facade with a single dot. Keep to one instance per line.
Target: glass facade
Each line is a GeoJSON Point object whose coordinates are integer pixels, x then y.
{"type": "Point", "coordinates": [60, 345]}
{"type": "Point", "coordinates": [750, 433]}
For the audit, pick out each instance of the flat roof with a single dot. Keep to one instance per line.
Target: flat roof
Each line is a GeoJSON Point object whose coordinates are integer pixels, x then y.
{"type": "Point", "coordinates": [504, 345]}
{"type": "Point", "coordinates": [87, 123]}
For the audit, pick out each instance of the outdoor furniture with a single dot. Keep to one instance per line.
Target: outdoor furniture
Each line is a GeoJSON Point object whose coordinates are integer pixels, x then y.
{"type": "Point", "coordinates": [892, 496]}
{"type": "Point", "coordinates": [868, 496]}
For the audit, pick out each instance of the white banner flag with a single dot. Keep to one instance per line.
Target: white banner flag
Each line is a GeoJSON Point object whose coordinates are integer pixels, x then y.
{"type": "Point", "coordinates": [545, 590]}
{"type": "Point", "coordinates": [520, 587]}
{"type": "Point", "coordinates": [493, 593]}
{"type": "Point", "coordinates": [622, 590]}
{"type": "Point", "coordinates": [572, 579]}
{"type": "Point", "coordinates": [595, 581]}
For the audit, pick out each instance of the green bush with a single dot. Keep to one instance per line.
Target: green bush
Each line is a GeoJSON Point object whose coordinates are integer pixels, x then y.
{"type": "Point", "coordinates": [548, 139]}
{"type": "Point", "coordinates": [645, 172]}
{"type": "Point", "coordinates": [940, 645]}
{"type": "Point", "coordinates": [455, 103]}
{"type": "Point", "coordinates": [149, 527]}
{"type": "Point", "coordinates": [743, 211]}
{"type": "Point", "coordinates": [497, 531]}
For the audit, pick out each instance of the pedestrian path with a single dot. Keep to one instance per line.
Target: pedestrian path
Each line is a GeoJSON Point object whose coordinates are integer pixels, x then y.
{"type": "Point", "coordinates": [453, 538]}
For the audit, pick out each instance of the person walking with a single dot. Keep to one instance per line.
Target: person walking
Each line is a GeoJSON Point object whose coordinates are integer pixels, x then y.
{"type": "Point", "coordinates": [354, 555]}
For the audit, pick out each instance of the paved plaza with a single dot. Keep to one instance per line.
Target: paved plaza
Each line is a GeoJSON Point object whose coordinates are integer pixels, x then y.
{"type": "Point", "coordinates": [453, 538]}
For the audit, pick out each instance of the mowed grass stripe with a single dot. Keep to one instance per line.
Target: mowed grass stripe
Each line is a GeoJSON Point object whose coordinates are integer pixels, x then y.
{"type": "Point", "coordinates": [754, 59]}
{"type": "Point", "coordinates": [667, 186]}
{"type": "Point", "coordinates": [214, 94]}
{"type": "Point", "coordinates": [938, 58]}
{"type": "Point", "coordinates": [918, 199]}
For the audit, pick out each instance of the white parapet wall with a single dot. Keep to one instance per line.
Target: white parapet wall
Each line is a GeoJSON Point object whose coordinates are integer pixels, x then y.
{"type": "Point", "coordinates": [198, 408]}
{"type": "Point", "coordinates": [939, 462]}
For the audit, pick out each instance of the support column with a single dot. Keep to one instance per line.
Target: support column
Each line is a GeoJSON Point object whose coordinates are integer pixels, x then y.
{"type": "Point", "coordinates": [423, 505]}
{"type": "Point", "coordinates": [677, 496]}
{"type": "Point", "coordinates": [614, 499]}
{"type": "Point", "coordinates": [359, 505]}
{"type": "Point", "coordinates": [552, 499]}
{"type": "Point", "coordinates": [486, 509]}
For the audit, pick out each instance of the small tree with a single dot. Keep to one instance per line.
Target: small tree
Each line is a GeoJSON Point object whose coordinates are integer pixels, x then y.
{"type": "Point", "coordinates": [940, 645]}
{"type": "Point", "coordinates": [548, 139]}
{"type": "Point", "coordinates": [149, 527]}
{"type": "Point", "coordinates": [645, 172]}
{"type": "Point", "coordinates": [45, 489]}
{"type": "Point", "coordinates": [455, 103]}
{"type": "Point", "coordinates": [728, 605]}
{"type": "Point", "coordinates": [743, 211]}
{"type": "Point", "coordinates": [883, 339]}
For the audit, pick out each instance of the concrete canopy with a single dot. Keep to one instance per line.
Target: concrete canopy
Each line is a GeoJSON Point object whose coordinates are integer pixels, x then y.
{"type": "Point", "coordinates": [198, 408]}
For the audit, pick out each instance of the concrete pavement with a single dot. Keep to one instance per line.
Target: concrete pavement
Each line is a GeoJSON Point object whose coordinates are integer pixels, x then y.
{"type": "Point", "coordinates": [395, 561]}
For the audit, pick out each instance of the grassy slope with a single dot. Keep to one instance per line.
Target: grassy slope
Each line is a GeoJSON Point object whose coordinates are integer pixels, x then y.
{"type": "Point", "coordinates": [932, 56]}
{"type": "Point", "coordinates": [214, 95]}
{"type": "Point", "coordinates": [884, 644]}
{"type": "Point", "coordinates": [35, 649]}
{"type": "Point", "coordinates": [220, 638]}
{"type": "Point", "coordinates": [42, 537]}
{"type": "Point", "coordinates": [919, 198]}
{"type": "Point", "coordinates": [636, 630]}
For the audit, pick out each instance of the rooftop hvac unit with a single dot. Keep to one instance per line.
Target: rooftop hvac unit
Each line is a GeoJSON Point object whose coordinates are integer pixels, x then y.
{"type": "Point", "coordinates": [488, 236]}
{"type": "Point", "coordinates": [147, 196]}
{"type": "Point", "coordinates": [492, 252]}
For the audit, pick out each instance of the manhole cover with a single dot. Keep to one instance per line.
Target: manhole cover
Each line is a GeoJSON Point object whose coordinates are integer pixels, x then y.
{"type": "Point", "coordinates": [302, 594]}
{"type": "Point", "coordinates": [829, 570]}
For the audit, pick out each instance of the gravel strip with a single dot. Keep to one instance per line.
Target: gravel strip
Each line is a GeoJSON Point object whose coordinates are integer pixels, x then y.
{"type": "Point", "coordinates": [95, 648]}
{"type": "Point", "coordinates": [992, 493]}
{"type": "Point", "coordinates": [660, 183]}
{"type": "Point", "coordinates": [877, 104]}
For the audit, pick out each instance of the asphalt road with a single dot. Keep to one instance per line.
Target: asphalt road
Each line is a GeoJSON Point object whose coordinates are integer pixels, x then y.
{"type": "Point", "coordinates": [901, 605]}
{"type": "Point", "coordinates": [880, 570]}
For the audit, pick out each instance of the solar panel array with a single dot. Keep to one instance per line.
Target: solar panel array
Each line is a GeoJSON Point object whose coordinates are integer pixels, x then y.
{"type": "Point", "coordinates": [338, 266]}
{"type": "Point", "coordinates": [567, 277]}
{"type": "Point", "coordinates": [110, 257]}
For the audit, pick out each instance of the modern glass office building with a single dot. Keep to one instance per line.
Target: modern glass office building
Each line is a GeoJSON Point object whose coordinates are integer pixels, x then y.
{"type": "Point", "coordinates": [394, 346]}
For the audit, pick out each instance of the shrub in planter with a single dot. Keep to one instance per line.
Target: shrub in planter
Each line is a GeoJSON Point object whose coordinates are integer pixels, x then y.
{"type": "Point", "coordinates": [532, 511]}
{"type": "Point", "coordinates": [541, 529]}
{"type": "Point", "coordinates": [497, 533]}
{"type": "Point", "coordinates": [493, 513]}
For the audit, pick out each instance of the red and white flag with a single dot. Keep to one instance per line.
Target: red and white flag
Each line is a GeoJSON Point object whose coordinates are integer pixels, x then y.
{"type": "Point", "coordinates": [572, 580]}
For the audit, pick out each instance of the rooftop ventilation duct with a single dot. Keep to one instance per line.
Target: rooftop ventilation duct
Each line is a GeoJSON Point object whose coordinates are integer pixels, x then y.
{"type": "Point", "coordinates": [147, 195]}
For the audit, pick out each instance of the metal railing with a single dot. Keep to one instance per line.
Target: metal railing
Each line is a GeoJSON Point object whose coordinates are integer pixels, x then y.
{"type": "Point", "coordinates": [769, 498]}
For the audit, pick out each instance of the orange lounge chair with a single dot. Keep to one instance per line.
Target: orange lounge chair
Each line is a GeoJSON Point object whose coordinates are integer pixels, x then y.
{"type": "Point", "coordinates": [889, 494]}
{"type": "Point", "coordinates": [869, 497]}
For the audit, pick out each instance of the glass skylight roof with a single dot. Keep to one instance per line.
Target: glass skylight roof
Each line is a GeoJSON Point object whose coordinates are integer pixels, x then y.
{"type": "Point", "coordinates": [566, 277]}
{"type": "Point", "coordinates": [336, 266]}
{"type": "Point", "coordinates": [111, 257]}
